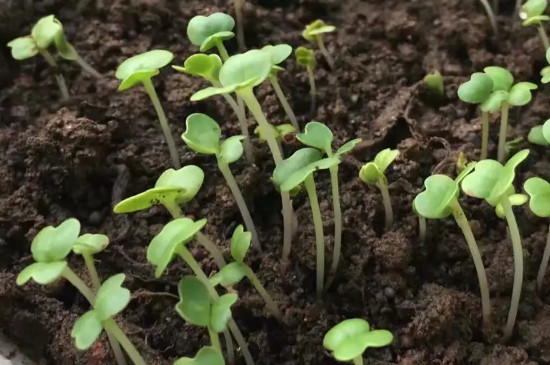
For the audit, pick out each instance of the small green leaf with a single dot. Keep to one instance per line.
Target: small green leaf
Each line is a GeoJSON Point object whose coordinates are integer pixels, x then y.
{"type": "Point", "coordinates": [533, 8]}
{"type": "Point", "coordinates": [502, 78]}
{"type": "Point", "coordinates": [240, 243]}
{"type": "Point", "coordinates": [520, 93]}
{"type": "Point", "coordinates": [231, 149]}
{"type": "Point", "coordinates": [23, 48]}
{"type": "Point", "coordinates": [536, 137]}
{"type": "Point", "coordinates": [477, 89]}
{"type": "Point", "coordinates": [515, 200]}
{"type": "Point", "coordinates": [230, 274]}
{"type": "Point", "coordinates": [111, 297]}
{"type": "Point", "coordinates": [143, 66]}
{"type": "Point", "coordinates": [545, 74]}
{"type": "Point", "coordinates": [64, 48]}
{"type": "Point", "coordinates": [203, 65]}
{"type": "Point", "coordinates": [317, 135]}
{"type": "Point", "coordinates": [278, 53]}
{"type": "Point", "coordinates": [384, 159]}
{"type": "Point", "coordinates": [221, 312]}
{"type": "Point", "coordinates": [163, 247]}
{"type": "Point", "coordinates": [315, 29]}
{"type": "Point", "coordinates": [348, 146]}
{"type": "Point", "coordinates": [434, 82]}
{"type": "Point", "coordinates": [369, 173]}
{"type": "Point", "coordinates": [194, 305]}
{"type": "Point", "coordinates": [305, 57]}
{"type": "Point", "coordinates": [86, 330]}
{"type": "Point", "coordinates": [45, 31]}
{"type": "Point", "coordinates": [494, 101]}
{"type": "Point", "coordinates": [207, 31]}
{"type": "Point", "coordinates": [279, 131]}
{"type": "Point", "coordinates": [434, 202]}
{"type": "Point", "coordinates": [539, 192]}
{"type": "Point", "coordinates": [212, 91]}
{"type": "Point", "coordinates": [42, 272]}
{"type": "Point", "coordinates": [55, 243]}
{"type": "Point", "coordinates": [466, 170]}
{"type": "Point", "coordinates": [536, 20]}
{"type": "Point", "coordinates": [372, 171]}
{"type": "Point", "coordinates": [205, 356]}
{"type": "Point", "coordinates": [202, 134]}
{"type": "Point", "coordinates": [246, 70]}
{"type": "Point", "coordinates": [90, 243]}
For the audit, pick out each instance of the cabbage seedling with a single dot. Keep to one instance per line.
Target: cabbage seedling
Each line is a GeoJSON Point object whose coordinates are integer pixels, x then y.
{"type": "Point", "coordinates": [540, 134]}
{"type": "Point", "coordinates": [235, 271]}
{"type": "Point", "coordinates": [434, 82]}
{"type": "Point", "coordinates": [349, 339]}
{"type": "Point", "coordinates": [278, 54]}
{"type": "Point", "coordinates": [314, 32]}
{"type": "Point", "coordinates": [318, 135]}
{"type": "Point", "coordinates": [532, 14]}
{"type": "Point", "coordinates": [539, 191]}
{"type": "Point", "coordinates": [210, 31]}
{"type": "Point", "coordinates": [279, 131]}
{"type": "Point", "coordinates": [490, 15]}
{"type": "Point", "coordinates": [493, 182]}
{"type": "Point", "coordinates": [140, 69]}
{"type": "Point", "coordinates": [438, 201]}
{"type": "Point", "coordinates": [306, 58]}
{"type": "Point", "coordinates": [298, 169]}
{"type": "Point", "coordinates": [208, 67]}
{"type": "Point", "coordinates": [372, 173]}
{"type": "Point", "coordinates": [173, 187]}
{"type": "Point", "coordinates": [203, 135]}
{"type": "Point", "coordinates": [206, 356]}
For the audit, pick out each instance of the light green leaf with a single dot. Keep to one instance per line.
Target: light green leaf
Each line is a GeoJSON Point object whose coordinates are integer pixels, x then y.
{"type": "Point", "coordinates": [111, 297]}
{"type": "Point", "coordinates": [206, 31]}
{"type": "Point", "coordinates": [231, 149]}
{"type": "Point", "coordinates": [221, 312]}
{"type": "Point", "coordinates": [141, 67]}
{"type": "Point", "coordinates": [245, 70]}
{"type": "Point", "coordinates": [502, 78]}
{"type": "Point", "coordinates": [434, 202]}
{"type": "Point", "coordinates": [348, 146]}
{"type": "Point", "coordinates": [305, 57]}
{"type": "Point", "coordinates": [278, 53]}
{"type": "Point", "coordinates": [545, 74]}
{"type": "Point", "coordinates": [202, 134]}
{"type": "Point", "coordinates": [494, 101]}
{"type": "Point", "coordinates": [212, 91]}
{"type": "Point", "coordinates": [539, 191]}
{"type": "Point", "coordinates": [42, 272]}
{"type": "Point", "coordinates": [546, 130]}
{"type": "Point", "coordinates": [481, 181]}
{"type": "Point", "coordinates": [477, 89]}
{"type": "Point", "coordinates": [369, 173]}
{"type": "Point", "coordinates": [240, 243]}
{"type": "Point", "coordinates": [532, 8]}
{"type": "Point", "coordinates": [64, 48]}
{"type": "Point", "coordinates": [317, 135]}
{"type": "Point", "coordinates": [536, 137]}
{"type": "Point", "coordinates": [515, 200]}
{"type": "Point", "coordinates": [520, 93]}
{"type": "Point", "coordinates": [55, 243]}
{"type": "Point", "coordinates": [434, 82]}
{"type": "Point", "coordinates": [45, 31]}
{"type": "Point", "coordinates": [194, 305]}
{"type": "Point", "coordinates": [203, 65]}
{"type": "Point", "coordinates": [315, 29]}
{"type": "Point", "coordinates": [205, 356]}
{"type": "Point", "coordinates": [536, 20]}
{"type": "Point", "coordinates": [279, 131]}
{"type": "Point", "coordinates": [230, 274]}
{"type": "Point", "coordinates": [90, 243]}
{"type": "Point", "coordinates": [384, 159]}
{"type": "Point", "coordinates": [86, 330]}
{"type": "Point", "coordinates": [23, 48]}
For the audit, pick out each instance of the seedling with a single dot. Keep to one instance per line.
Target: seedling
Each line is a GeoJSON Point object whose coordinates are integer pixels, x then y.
{"type": "Point", "coordinates": [314, 32]}
{"type": "Point", "coordinates": [298, 169]}
{"type": "Point", "coordinates": [532, 14]}
{"type": "Point", "coordinates": [206, 356]}
{"type": "Point", "coordinates": [540, 134]}
{"type": "Point", "coordinates": [210, 31]}
{"type": "Point", "coordinates": [539, 191]}
{"type": "Point", "coordinates": [139, 70]}
{"type": "Point", "coordinates": [319, 136]}
{"type": "Point", "coordinates": [234, 272]}
{"type": "Point", "coordinates": [203, 135]}
{"type": "Point", "coordinates": [279, 131]}
{"type": "Point", "coordinates": [173, 188]}
{"type": "Point", "coordinates": [545, 72]}
{"type": "Point", "coordinates": [493, 182]}
{"type": "Point", "coordinates": [434, 82]}
{"type": "Point", "coordinates": [208, 67]}
{"type": "Point", "coordinates": [372, 173]}
{"type": "Point", "coordinates": [349, 339]}
{"type": "Point", "coordinates": [278, 54]}
{"type": "Point", "coordinates": [490, 15]}
{"type": "Point", "coordinates": [440, 200]}
{"type": "Point", "coordinates": [306, 58]}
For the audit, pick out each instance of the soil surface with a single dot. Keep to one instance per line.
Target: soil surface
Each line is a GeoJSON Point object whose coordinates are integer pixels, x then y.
{"type": "Point", "coordinates": [77, 159]}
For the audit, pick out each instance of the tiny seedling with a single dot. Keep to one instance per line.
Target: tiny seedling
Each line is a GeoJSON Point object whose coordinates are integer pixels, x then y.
{"type": "Point", "coordinates": [314, 32]}
{"type": "Point", "coordinates": [532, 14]}
{"type": "Point", "coordinates": [197, 307]}
{"type": "Point", "coordinates": [139, 70]}
{"type": "Point", "coordinates": [203, 135]}
{"type": "Point", "coordinates": [318, 135]}
{"type": "Point", "coordinates": [434, 82]}
{"type": "Point", "coordinates": [279, 131]}
{"type": "Point", "coordinates": [235, 271]}
{"type": "Point", "coordinates": [545, 72]}
{"type": "Point", "coordinates": [278, 54]}
{"type": "Point", "coordinates": [298, 169]}
{"type": "Point", "coordinates": [438, 201]}
{"type": "Point", "coordinates": [372, 173]}
{"type": "Point", "coordinates": [206, 356]}
{"type": "Point", "coordinates": [540, 134]}
{"type": "Point", "coordinates": [349, 339]}
{"type": "Point", "coordinates": [306, 58]}
{"type": "Point", "coordinates": [493, 182]}
{"type": "Point", "coordinates": [210, 31]}
{"type": "Point", "coordinates": [539, 192]}
{"type": "Point", "coordinates": [490, 15]}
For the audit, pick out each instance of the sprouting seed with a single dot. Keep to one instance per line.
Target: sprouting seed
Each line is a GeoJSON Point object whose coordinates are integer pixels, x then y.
{"type": "Point", "coordinates": [314, 32]}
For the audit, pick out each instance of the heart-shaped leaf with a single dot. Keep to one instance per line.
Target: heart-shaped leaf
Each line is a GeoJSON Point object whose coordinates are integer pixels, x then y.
{"type": "Point", "coordinates": [305, 57]}
{"type": "Point", "coordinates": [316, 28]}
{"type": "Point", "coordinates": [348, 146]}
{"type": "Point", "coordinates": [435, 201]}
{"type": "Point", "coordinates": [533, 8]}
{"type": "Point", "coordinates": [90, 243]}
{"type": "Point", "coordinates": [23, 48]}
{"type": "Point", "coordinates": [384, 159]}
{"type": "Point", "coordinates": [205, 356]}
{"type": "Point", "coordinates": [231, 149]}
{"type": "Point", "coordinates": [111, 297]}
{"type": "Point", "coordinates": [515, 200]}
{"type": "Point", "coordinates": [372, 171]}
{"type": "Point", "coordinates": [42, 272]}
{"type": "Point", "coordinates": [143, 66]}
{"type": "Point", "coordinates": [477, 89]}
{"type": "Point", "coordinates": [369, 173]}
{"type": "Point", "coordinates": [278, 53]}
{"type": "Point", "coordinates": [230, 274]}
{"type": "Point", "coordinates": [502, 78]}
{"type": "Point", "coordinates": [520, 93]}
{"type": "Point", "coordinates": [86, 330]}
{"type": "Point", "coordinates": [54, 243]}
{"type": "Point", "coordinates": [203, 65]}
{"type": "Point", "coordinates": [494, 101]}
{"type": "Point", "coordinates": [317, 135]}
{"type": "Point", "coordinates": [202, 134]}
{"type": "Point", "coordinates": [240, 243]}
{"type": "Point", "coordinates": [194, 305]}
{"type": "Point", "coordinates": [45, 31]}
{"type": "Point", "coordinates": [536, 137]}
{"type": "Point", "coordinates": [539, 192]}
{"type": "Point", "coordinates": [221, 312]}
{"type": "Point", "coordinates": [206, 31]}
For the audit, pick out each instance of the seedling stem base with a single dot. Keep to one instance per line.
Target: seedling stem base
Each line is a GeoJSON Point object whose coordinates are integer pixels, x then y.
{"type": "Point", "coordinates": [544, 263]}
{"type": "Point", "coordinates": [284, 102]}
{"type": "Point", "coordinates": [337, 223]}
{"type": "Point", "coordinates": [543, 36]}
{"type": "Point", "coordinates": [358, 360]}
{"type": "Point", "coordinates": [319, 236]}
{"type": "Point", "coordinates": [214, 340]}
{"type": "Point", "coordinates": [484, 135]}
{"type": "Point", "coordinates": [111, 326]}
{"type": "Point", "coordinates": [86, 67]}
{"type": "Point", "coordinates": [388, 210]}
{"type": "Point", "coordinates": [264, 294]}
{"type": "Point", "coordinates": [325, 52]}
{"type": "Point", "coordinates": [502, 133]}
{"type": "Point", "coordinates": [312, 91]}
{"type": "Point", "coordinates": [58, 76]}
{"type": "Point", "coordinates": [422, 229]}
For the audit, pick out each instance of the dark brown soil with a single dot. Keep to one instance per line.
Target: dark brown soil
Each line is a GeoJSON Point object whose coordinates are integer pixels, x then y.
{"type": "Point", "coordinates": [78, 159]}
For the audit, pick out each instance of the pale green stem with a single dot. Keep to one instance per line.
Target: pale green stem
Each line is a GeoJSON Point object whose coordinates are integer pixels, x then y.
{"type": "Point", "coordinates": [79, 285]}
{"type": "Point", "coordinates": [484, 135]}
{"type": "Point", "coordinates": [174, 210]}
{"type": "Point", "coordinates": [58, 76]}
{"type": "Point", "coordinates": [243, 124]}
{"type": "Point", "coordinates": [222, 50]}
{"type": "Point", "coordinates": [150, 89]}
{"type": "Point", "coordinates": [245, 213]}
{"type": "Point", "coordinates": [211, 248]}
{"type": "Point", "coordinates": [358, 360]}
{"type": "Point", "coordinates": [240, 29]}
{"type": "Point", "coordinates": [337, 220]}
{"type": "Point", "coordinates": [284, 102]}
{"type": "Point", "coordinates": [312, 90]}
{"type": "Point", "coordinates": [543, 36]}
{"type": "Point", "coordinates": [264, 294]}
{"type": "Point", "coordinates": [319, 236]}
{"type": "Point", "coordinates": [229, 347]}
{"type": "Point", "coordinates": [422, 229]}
{"type": "Point", "coordinates": [496, 7]}
{"type": "Point", "coordinates": [490, 15]}
{"type": "Point", "coordinates": [324, 51]}
{"type": "Point", "coordinates": [111, 326]}
{"type": "Point", "coordinates": [518, 267]}
{"type": "Point", "coordinates": [89, 261]}
{"type": "Point", "coordinates": [388, 210]}
{"type": "Point", "coordinates": [502, 133]}
{"type": "Point", "coordinates": [214, 339]}
{"type": "Point", "coordinates": [86, 67]}
{"type": "Point", "coordinates": [462, 222]}
{"type": "Point", "coordinates": [544, 263]}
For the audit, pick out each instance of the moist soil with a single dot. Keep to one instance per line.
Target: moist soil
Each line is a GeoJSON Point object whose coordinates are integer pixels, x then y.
{"type": "Point", "coordinates": [77, 159]}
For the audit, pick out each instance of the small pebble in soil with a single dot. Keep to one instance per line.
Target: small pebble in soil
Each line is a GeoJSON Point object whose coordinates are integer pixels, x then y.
{"type": "Point", "coordinates": [95, 218]}
{"type": "Point", "coordinates": [389, 292]}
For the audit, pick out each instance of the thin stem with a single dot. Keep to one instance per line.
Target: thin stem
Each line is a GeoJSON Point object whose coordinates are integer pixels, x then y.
{"type": "Point", "coordinates": [222, 50]}
{"type": "Point", "coordinates": [240, 29]}
{"type": "Point", "coordinates": [150, 89]}
{"type": "Point", "coordinates": [284, 102]}
{"type": "Point", "coordinates": [312, 90]}
{"type": "Point", "coordinates": [264, 294]}
{"type": "Point", "coordinates": [518, 267]}
{"type": "Point", "coordinates": [388, 210]}
{"type": "Point", "coordinates": [462, 222]}
{"type": "Point", "coordinates": [484, 134]}
{"type": "Point", "coordinates": [502, 133]}
{"type": "Point", "coordinates": [111, 326]}
{"type": "Point", "coordinates": [518, 7]}
{"type": "Point", "coordinates": [229, 347]}
{"type": "Point", "coordinates": [79, 285]}
{"type": "Point", "coordinates": [211, 248]}
{"type": "Point", "coordinates": [358, 360]}
{"type": "Point", "coordinates": [86, 67]}
{"type": "Point", "coordinates": [243, 124]}
{"type": "Point", "coordinates": [543, 36]}
{"type": "Point", "coordinates": [491, 16]}
{"type": "Point", "coordinates": [324, 51]}
{"type": "Point", "coordinates": [58, 76]}
{"type": "Point", "coordinates": [214, 339]}
{"type": "Point", "coordinates": [115, 346]}
{"type": "Point", "coordinates": [174, 210]}
{"type": "Point", "coordinates": [496, 7]}
{"type": "Point", "coordinates": [245, 213]}
{"type": "Point", "coordinates": [319, 236]}
{"type": "Point", "coordinates": [337, 220]}
{"type": "Point", "coordinates": [240, 341]}
{"type": "Point", "coordinates": [288, 219]}
{"type": "Point", "coordinates": [544, 263]}
{"type": "Point", "coordinates": [89, 261]}
{"type": "Point", "coordinates": [422, 229]}
{"type": "Point", "coordinates": [49, 58]}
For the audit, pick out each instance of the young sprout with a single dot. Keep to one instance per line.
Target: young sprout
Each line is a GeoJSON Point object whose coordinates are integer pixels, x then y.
{"type": "Point", "coordinates": [140, 69]}
{"type": "Point", "coordinates": [434, 82]}
{"type": "Point", "coordinates": [540, 134]}
{"type": "Point", "coordinates": [279, 53]}
{"type": "Point", "coordinates": [306, 58]}
{"type": "Point", "coordinates": [438, 201]}
{"type": "Point", "coordinates": [206, 356]}
{"type": "Point", "coordinates": [298, 169]}
{"type": "Point", "coordinates": [279, 132]}
{"type": "Point", "coordinates": [173, 188]}
{"type": "Point", "coordinates": [210, 31]}
{"type": "Point", "coordinates": [319, 136]}
{"type": "Point", "coordinates": [203, 135]}
{"type": "Point", "coordinates": [349, 339]}
{"type": "Point", "coordinates": [539, 192]}
{"type": "Point", "coordinates": [372, 173]}
{"type": "Point", "coordinates": [532, 14]}
{"type": "Point", "coordinates": [490, 15]}
{"type": "Point", "coordinates": [493, 182]}
{"type": "Point", "coordinates": [235, 271]}
{"type": "Point", "coordinates": [208, 67]}
{"type": "Point", "coordinates": [314, 33]}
